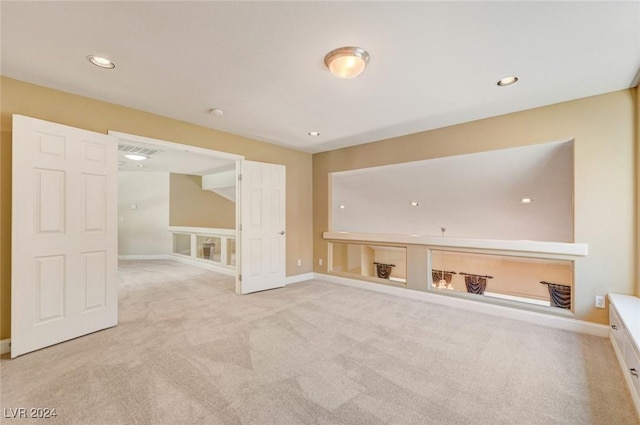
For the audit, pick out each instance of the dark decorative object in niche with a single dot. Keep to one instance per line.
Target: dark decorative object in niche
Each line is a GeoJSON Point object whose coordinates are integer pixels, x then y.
{"type": "Point", "coordinates": [560, 295]}
{"type": "Point", "coordinates": [476, 284]}
{"type": "Point", "coordinates": [383, 270]}
{"type": "Point", "coordinates": [438, 275]}
{"type": "Point", "coordinates": [208, 249]}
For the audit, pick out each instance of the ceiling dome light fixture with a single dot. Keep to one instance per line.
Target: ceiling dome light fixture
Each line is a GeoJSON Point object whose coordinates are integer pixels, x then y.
{"type": "Point", "coordinates": [314, 133]}
{"type": "Point", "coordinates": [347, 62]}
{"type": "Point", "coordinates": [526, 200]}
{"type": "Point", "coordinates": [101, 62]}
{"type": "Point", "coordinates": [507, 81]}
{"type": "Point", "coordinates": [217, 112]}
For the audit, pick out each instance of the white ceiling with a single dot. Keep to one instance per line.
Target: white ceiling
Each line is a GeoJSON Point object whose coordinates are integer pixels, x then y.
{"type": "Point", "coordinates": [170, 160]}
{"type": "Point", "coordinates": [472, 196]}
{"type": "Point", "coordinates": [432, 64]}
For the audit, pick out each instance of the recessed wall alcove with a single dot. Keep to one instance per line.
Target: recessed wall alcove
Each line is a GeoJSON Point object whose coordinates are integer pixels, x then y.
{"type": "Point", "coordinates": [509, 212]}
{"type": "Point", "coordinates": [472, 196]}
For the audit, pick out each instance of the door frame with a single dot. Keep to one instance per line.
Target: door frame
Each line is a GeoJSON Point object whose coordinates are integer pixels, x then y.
{"type": "Point", "coordinates": [132, 138]}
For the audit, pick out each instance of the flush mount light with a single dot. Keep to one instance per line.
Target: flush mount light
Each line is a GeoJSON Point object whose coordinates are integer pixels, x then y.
{"type": "Point", "coordinates": [135, 157]}
{"type": "Point", "coordinates": [217, 112]}
{"type": "Point", "coordinates": [526, 200]}
{"type": "Point", "coordinates": [313, 133]}
{"type": "Point", "coordinates": [414, 204]}
{"type": "Point", "coordinates": [507, 81]}
{"type": "Point", "coordinates": [347, 62]}
{"type": "Point", "coordinates": [101, 62]}
{"type": "Point", "coordinates": [341, 207]}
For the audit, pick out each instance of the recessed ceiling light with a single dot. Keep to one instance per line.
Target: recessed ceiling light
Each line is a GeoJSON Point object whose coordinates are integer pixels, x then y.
{"type": "Point", "coordinates": [217, 112]}
{"type": "Point", "coordinates": [341, 206]}
{"type": "Point", "coordinates": [507, 81]}
{"type": "Point", "coordinates": [414, 204]}
{"type": "Point", "coordinates": [314, 133]}
{"type": "Point", "coordinates": [135, 157]}
{"type": "Point", "coordinates": [526, 200]}
{"type": "Point", "coordinates": [101, 62]}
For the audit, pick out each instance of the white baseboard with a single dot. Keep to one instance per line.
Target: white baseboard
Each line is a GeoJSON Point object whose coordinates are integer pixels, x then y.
{"type": "Point", "coordinates": [479, 307]}
{"type": "Point", "coordinates": [146, 257]}
{"type": "Point", "coordinates": [5, 346]}
{"type": "Point", "coordinates": [299, 278]}
{"type": "Point", "coordinates": [204, 264]}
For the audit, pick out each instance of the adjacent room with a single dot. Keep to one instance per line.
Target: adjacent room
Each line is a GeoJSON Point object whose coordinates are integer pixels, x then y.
{"type": "Point", "coordinates": [320, 212]}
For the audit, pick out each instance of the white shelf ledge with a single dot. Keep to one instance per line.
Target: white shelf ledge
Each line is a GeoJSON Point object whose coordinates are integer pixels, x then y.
{"type": "Point", "coordinates": [534, 247]}
{"type": "Point", "coordinates": [205, 231]}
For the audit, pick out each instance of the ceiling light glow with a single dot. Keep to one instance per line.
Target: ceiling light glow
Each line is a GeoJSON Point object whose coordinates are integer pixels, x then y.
{"type": "Point", "coordinates": [526, 200]}
{"type": "Point", "coordinates": [347, 62]}
{"type": "Point", "coordinates": [341, 206]}
{"type": "Point", "coordinates": [135, 157]}
{"type": "Point", "coordinates": [414, 204]}
{"type": "Point", "coordinates": [314, 133]}
{"type": "Point", "coordinates": [101, 62]}
{"type": "Point", "coordinates": [507, 81]}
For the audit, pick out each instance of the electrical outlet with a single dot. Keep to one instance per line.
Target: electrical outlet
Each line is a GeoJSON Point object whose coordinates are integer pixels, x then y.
{"type": "Point", "coordinates": [600, 301]}
{"type": "Point", "coordinates": [299, 262]}
{"type": "Point", "coordinates": [319, 261]}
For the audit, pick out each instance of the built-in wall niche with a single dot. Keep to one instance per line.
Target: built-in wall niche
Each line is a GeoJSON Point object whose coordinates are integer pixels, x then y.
{"type": "Point", "coordinates": [544, 282]}
{"type": "Point", "coordinates": [378, 263]}
{"type": "Point", "coordinates": [478, 196]}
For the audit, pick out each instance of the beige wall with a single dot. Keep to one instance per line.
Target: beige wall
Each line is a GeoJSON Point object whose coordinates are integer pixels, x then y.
{"type": "Point", "coordinates": [143, 213]}
{"type": "Point", "coordinates": [193, 207]}
{"type": "Point", "coordinates": [604, 131]}
{"type": "Point", "coordinates": [64, 108]}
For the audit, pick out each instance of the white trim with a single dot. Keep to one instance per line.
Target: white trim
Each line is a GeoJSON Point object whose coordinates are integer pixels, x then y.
{"type": "Point", "coordinates": [479, 307]}
{"type": "Point", "coordinates": [204, 264]}
{"type": "Point", "coordinates": [516, 298]}
{"type": "Point", "coordinates": [299, 278]}
{"type": "Point", "coordinates": [5, 346]}
{"type": "Point", "coordinates": [172, 145]}
{"type": "Point", "coordinates": [625, 372]}
{"type": "Point", "coordinates": [146, 257]}
{"type": "Point", "coordinates": [203, 231]}
{"type": "Point", "coordinates": [537, 247]}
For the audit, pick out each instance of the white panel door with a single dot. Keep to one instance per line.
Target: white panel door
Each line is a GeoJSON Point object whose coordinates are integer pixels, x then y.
{"type": "Point", "coordinates": [262, 227]}
{"type": "Point", "coordinates": [64, 275]}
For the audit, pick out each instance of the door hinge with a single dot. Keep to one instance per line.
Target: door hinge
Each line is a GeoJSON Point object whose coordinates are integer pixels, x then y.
{"type": "Point", "coordinates": [240, 277]}
{"type": "Point", "coordinates": [240, 177]}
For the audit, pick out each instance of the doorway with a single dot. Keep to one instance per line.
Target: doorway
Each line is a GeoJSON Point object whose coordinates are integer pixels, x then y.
{"type": "Point", "coordinates": [67, 287]}
{"type": "Point", "coordinates": [176, 201]}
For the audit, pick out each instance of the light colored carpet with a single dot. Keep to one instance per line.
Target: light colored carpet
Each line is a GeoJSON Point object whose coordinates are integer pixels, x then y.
{"type": "Point", "coordinates": [189, 351]}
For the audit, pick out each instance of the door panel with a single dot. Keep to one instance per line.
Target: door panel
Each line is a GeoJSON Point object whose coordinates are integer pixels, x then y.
{"type": "Point", "coordinates": [64, 234]}
{"type": "Point", "coordinates": [262, 234]}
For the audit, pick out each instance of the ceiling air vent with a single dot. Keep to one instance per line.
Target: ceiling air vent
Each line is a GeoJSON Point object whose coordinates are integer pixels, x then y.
{"type": "Point", "coordinates": [136, 149]}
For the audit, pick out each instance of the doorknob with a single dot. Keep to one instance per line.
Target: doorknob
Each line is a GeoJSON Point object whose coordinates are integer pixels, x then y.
{"type": "Point", "coordinates": [282, 232]}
